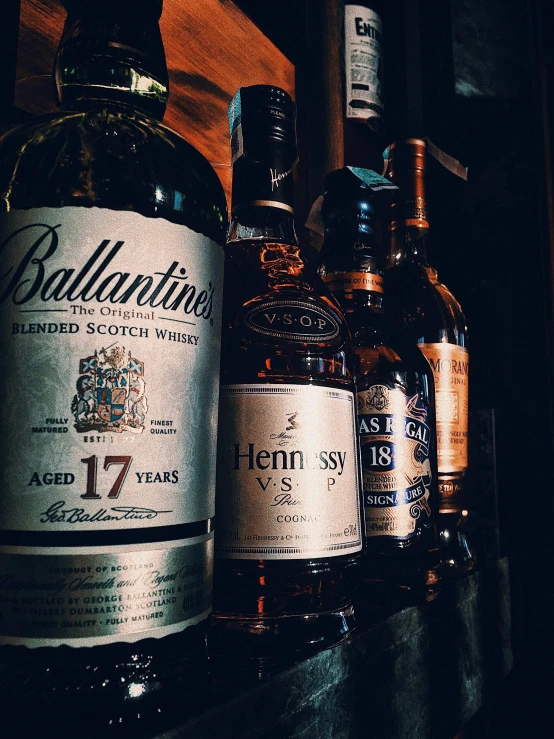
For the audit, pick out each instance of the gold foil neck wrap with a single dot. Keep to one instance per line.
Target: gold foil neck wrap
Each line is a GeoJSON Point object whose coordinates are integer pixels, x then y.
{"type": "Point", "coordinates": [406, 168]}
{"type": "Point", "coordinates": [264, 204]}
{"type": "Point", "coordinates": [350, 281]}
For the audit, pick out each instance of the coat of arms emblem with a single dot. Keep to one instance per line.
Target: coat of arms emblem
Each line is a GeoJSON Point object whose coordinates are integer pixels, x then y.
{"type": "Point", "coordinates": [378, 397]}
{"type": "Point", "coordinates": [110, 393]}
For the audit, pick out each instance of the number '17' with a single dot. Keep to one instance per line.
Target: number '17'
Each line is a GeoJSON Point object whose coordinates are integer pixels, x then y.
{"type": "Point", "coordinates": [92, 475]}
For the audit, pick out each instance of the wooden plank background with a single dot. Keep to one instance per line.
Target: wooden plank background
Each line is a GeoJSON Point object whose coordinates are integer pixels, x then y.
{"type": "Point", "coordinates": [212, 49]}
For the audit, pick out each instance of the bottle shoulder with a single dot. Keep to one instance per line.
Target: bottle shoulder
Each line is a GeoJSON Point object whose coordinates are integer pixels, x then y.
{"type": "Point", "coordinates": [268, 270]}
{"type": "Point", "coordinates": [280, 320]}
{"type": "Point", "coordinates": [423, 308]}
{"type": "Point", "coordinates": [383, 356]}
{"type": "Point", "coordinates": [113, 157]}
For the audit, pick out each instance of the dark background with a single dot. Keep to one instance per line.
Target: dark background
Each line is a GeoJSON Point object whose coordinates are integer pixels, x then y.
{"type": "Point", "coordinates": [476, 77]}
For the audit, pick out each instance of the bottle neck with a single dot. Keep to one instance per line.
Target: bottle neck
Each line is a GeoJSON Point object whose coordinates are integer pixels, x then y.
{"type": "Point", "coordinates": [409, 224]}
{"type": "Point", "coordinates": [113, 52]}
{"type": "Point", "coordinates": [262, 176]}
{"type": "Point", "coordinates": [262, 223]}
{"type": "Point", "coordinates": [262, 200]}
{"type": "Point", "coordinates": [408, 245]}
{"type": "Point", "coordinates": [351, 264]}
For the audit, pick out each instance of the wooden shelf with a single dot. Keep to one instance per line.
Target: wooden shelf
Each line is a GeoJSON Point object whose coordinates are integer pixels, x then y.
{"type": "Point", "coordinates": [422, 673]}
{"type": "Point", "coordinates": [212, 49]}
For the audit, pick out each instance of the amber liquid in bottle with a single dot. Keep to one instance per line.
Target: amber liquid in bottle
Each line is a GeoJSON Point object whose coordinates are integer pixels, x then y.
{"type": "Point", "coordinates": [283, 587]}
{"type": "Point", "coordinates": [396, 414]}
{"type": "Point", "coordinates": [106, 152]}
{"type": "Point", "coordinates": [426, 313]}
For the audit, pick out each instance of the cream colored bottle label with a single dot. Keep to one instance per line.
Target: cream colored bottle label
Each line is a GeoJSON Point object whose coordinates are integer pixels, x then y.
{"type": "Point", "coordinates": [110, 329]}
{"type": "Point", "coordinates": [287, 480]}
{"type": "Point", "coordinates": [450, 365]}
{"type": "Point", "coordinates": [98, 595]}
{"type": "Point", "coordinates": [363, 62]}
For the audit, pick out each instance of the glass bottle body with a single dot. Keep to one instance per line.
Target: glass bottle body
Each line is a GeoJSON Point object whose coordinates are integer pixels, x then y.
{"type": "Point", "coordinates": [394, 382]}
{"type": "Point", "coordinates": [391, 377]}
{"type": "Point", "coordinates": [280, 608]}
{"type": "Point", "coordinates": [106, 156]}
{"type": "Point", "coordinates": [425, 312]}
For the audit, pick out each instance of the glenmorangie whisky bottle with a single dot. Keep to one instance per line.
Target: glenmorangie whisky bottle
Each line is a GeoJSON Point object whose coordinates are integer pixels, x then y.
{"type": "Point", "coordinates": [396, 416]}
{"type": "Point", "coordinates": [428, 314]}
{"type": "Point", "coordinates": [289, 534]}
{"type": "Point", "coordinates": [111, 234]}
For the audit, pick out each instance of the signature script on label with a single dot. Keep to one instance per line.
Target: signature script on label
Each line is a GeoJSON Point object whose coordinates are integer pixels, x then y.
{"type": "Point", "coordinates": [57, 513]}
{"type": "Point", "coordinates": [276, 177]}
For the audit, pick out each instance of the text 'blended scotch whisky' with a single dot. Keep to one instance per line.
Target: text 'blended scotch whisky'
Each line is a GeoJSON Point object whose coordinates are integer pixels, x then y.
{"type": "Point", "coordinates": [111, 235]}
{"type": "Point", "coordinates": [289, 534]}
{"type": "Point", "coordinates": [428, 314]}
{"type": "Point", "coordinates": [396, 415]}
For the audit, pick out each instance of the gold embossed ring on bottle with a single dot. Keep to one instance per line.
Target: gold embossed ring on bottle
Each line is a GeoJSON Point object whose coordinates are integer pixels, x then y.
{"type": "Point", "coordinates": [288, 505]}
{"type": "Point", "coordinates": [111, 232]}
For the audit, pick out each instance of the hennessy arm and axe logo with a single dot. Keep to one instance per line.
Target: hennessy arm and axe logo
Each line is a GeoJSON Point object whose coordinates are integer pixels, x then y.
{"type": "Point", "coordinates": [291, 419]}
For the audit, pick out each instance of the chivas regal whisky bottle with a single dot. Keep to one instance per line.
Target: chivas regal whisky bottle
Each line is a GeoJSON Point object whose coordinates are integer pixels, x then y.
{"type": "Point", "coordinates": [111, 236]}
{"type": "Point", "coordinates": [288, 502]}
{"type": "Point", "coordinates": [396, 414]}
{"type": "Point", "coordinates": [428, 314]}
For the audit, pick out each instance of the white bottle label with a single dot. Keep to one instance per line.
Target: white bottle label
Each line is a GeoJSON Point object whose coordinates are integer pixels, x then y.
{"type": "Point", "coordinates": [363, 62]}
{"type": "Point", "coordinates": [110, 328]}
{"type": "Point", "coordinates": [288, 475]}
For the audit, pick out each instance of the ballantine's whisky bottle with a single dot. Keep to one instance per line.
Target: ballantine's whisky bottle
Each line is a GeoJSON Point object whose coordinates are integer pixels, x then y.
{"type": "Point", "coordinates": [111, 233]}
{"type": "Point", "coordinates": [288, 501]}
{"type": "Point", "coordinates": [396, 413]}
{"type": "Point", "coordinates": [427, 313]}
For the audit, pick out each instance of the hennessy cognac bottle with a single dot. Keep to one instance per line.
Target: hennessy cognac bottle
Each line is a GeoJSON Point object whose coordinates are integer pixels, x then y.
{"type": "Point", "coordinates": [111, 233]}
{"type": "Point", "coordinates": [289, 535]}
{"type": "Point", "coordinates": [396, 415]}
{"type": "Point", "coordinates": [428, 314]}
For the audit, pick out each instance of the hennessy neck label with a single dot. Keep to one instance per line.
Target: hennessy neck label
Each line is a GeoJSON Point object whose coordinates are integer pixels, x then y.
{"type": "Point", "coordinates": [395, 441]}
{"type": "Point", "coordinates": [288, 472]}
{"type": "Point", "coordinates": [263, 179]}
{"type": "Point", "coordinates": [106, 318]}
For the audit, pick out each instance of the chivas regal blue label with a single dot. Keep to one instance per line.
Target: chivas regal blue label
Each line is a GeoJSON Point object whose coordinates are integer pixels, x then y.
{"type": "Point", "coordinates": [110, 330]}
{"type": "Point", "coordinates": [395, 442]}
